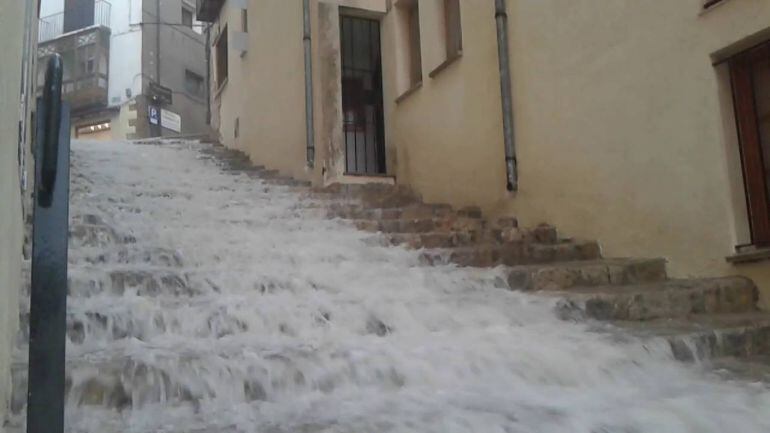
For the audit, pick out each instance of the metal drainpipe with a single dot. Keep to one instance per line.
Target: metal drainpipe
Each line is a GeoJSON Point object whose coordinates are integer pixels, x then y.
{"type": "Point", "coordinates": [501, 17]}
{"type": "Point", "coordinates": [208, 74]}
{"type": "Point", "coordinates": [306, 40]}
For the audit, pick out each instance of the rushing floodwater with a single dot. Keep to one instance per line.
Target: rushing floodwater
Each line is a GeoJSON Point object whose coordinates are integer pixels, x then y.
{"type": "Point", "coordinates": [282, 321]}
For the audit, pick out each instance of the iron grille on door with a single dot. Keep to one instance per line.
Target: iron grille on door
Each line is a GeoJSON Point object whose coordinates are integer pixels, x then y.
{"type": "Point", "coordinates": [362, 96]}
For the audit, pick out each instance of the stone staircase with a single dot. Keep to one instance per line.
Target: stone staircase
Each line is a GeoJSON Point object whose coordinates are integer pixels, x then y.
{"type": "Point", "coordinates": [714, 320]}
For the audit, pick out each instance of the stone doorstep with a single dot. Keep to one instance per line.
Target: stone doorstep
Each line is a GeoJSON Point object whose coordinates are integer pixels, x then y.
{"type": "Point", "coordinates": [667, 299]}
{"type": "Point", "coordinates": [566, 275]}
{"type": "Point", "coordinates": [703, 337]}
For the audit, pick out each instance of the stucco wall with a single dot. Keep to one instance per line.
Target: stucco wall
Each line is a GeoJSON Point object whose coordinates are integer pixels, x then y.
{"type": "Point", "coordinates": [267, 92]}
{"type": "Point", "coordinates": [622, 123]}
{"type": "Point", "coordinates": [12, 25]}
{"type": "Point", "coordinates": [624, 128]}
{"type": "Point", "coordinates": [446, 135]}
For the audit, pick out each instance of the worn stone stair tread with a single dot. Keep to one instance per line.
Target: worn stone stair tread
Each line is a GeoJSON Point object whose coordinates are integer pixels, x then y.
{"type": "Point", "coordinates": [671, 284]}
{"type": "Point", "coordinates": [709, 336]}
{"type": "Point", "coordinates": [698, 323]}
{"type": "Point", "coordinates": [524, 253]}
{"type": "Point", "coordinates": [649, 301]}
{"type": "Point", "coordinates": [755, 369]}
{"type": "Point", "coordinates": [586, 273]}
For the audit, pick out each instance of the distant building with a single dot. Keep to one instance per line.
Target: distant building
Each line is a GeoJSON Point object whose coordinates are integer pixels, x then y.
{"type": "Point", "coordinates": [642, 124]}
{"type": "Point", "coordinates": [123, 64]}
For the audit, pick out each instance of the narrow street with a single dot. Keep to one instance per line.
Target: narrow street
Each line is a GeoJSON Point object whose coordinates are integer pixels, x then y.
{"type": "Point", "coordinates": [206, 301]}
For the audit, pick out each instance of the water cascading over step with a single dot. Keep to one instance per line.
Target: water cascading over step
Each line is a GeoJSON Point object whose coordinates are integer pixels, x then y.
{"type": "Point", "coordinates": [202, 300]}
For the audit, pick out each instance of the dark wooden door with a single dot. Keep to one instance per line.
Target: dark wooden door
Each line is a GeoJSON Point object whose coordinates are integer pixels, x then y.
{"type": "Point", "coordinates": [750, 72]}
{"type": "Point", "coordinates": [78, 14]}
{"type": "Point", "coordinates": [362, 105]}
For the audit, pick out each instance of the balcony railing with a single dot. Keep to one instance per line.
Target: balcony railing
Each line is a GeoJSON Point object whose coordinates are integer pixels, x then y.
{"type": "Point", "coordinates": [53, 26]}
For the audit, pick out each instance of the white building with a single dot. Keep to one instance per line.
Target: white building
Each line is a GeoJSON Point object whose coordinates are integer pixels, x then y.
{"type": "Point", "coordinates": [110, 51]}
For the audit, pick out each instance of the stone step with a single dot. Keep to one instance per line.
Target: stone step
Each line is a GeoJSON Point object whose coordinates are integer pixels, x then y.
{"type": "Point", "coordinates": [95, 324]}
{"type": "Point", "coordinates": [286, 181]}
{"type": "Point", "coordinates": [129, 255]}
{"type": "Point", "coordinates": [587, 273]}
{"type": "Point", "coordinates": [433, 240]}
{"type": "Point", "coordinates": [355, 211]}
{"type": "Point", "coordinates": [755, 369]}
{"type": "Point", "coordinates": [668, 299]}
{"type": "Point", "coordinates": [369, 195]}
{"type": "Point", "coordinates": [419, 225]}
{"type": "Point", "coordinates": [268, 174]}
{"type": "Point", "coordinates": [242, 167]}
{"type": "Point", "coordinates": [120, 384]}
{"type": "Point", "coordinates": [96, 235]}
{"type": "Point", "coordinates": [704, 337]}
{"type": "Point", "coordinates": [515, 253]}
{"type": "Point", "coordinates": [118, 378]}
{"type": "Point", "coordinates": [146, 281]}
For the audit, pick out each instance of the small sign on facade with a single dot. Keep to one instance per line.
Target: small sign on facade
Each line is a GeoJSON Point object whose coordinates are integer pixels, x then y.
{"type": "Point", "coordinates": [154, 114]}
{"type": "Point", "coordinates": [171, 120]}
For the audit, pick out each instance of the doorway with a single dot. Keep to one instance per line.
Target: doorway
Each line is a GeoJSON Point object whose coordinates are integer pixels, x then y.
{"type": "Point", "coordinates": [750, 75]}
{"type": "Point", "coordinates": [362, 107]}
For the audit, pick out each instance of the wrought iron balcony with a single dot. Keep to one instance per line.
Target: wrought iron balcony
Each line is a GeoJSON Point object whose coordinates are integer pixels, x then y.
{"type": "Point", "coordinates": [69, 20]}
{"type": "Point", "coordinates": [208, 10]}
{"type": "Point", "coordinates": [85, 54]}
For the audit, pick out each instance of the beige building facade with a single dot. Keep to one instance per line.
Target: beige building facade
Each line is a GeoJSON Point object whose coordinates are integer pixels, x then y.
{"type": "Point", "coordinates": [630, 118]}
{"type": "Point", "coordinates": [17, 40]}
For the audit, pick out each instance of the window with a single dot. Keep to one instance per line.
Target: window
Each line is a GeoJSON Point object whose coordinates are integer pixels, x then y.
{"type": "Point", "coordinates": [187, 17]}
{"type": "Point", "coordinates": [245, 20]}
{"type": "Point", "coordinates": [453, 28]}
{"type": "Point", "coordinates": [709, 3]}
{"type": "Point", "coordinates": [220, 49]}
{"type": "Point", "coordinates": [409, 17]}
{"type": "Point", "coordinates": [750, 72]}
{"type": "Point", "coordinates": [193, 83]}
{"type": "Point", "coordinates": [87, 59]}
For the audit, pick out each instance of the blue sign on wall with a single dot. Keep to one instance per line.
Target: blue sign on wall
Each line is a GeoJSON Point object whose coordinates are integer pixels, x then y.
{"type": "Point", "coordinates": [154, 115]}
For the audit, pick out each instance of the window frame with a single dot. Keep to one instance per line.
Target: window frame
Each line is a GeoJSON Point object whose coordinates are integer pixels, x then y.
{"type": "Point", "coordinates": [191, 12]}
{"type": "Point", "coordinates": [415, 43]}
{"type": "Point", "coordinates": [221, 59]}
{"type": "Point", "coordinates": [750, 141]}
{"type": "Point", "coordinates": [453, 28]}
{"type": "Point", "coordinates": [190, 75]}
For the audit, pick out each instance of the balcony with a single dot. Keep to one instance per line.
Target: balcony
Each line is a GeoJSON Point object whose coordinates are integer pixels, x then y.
{"type": "Point", "coordinates": [85, 54]}
{"type": "Point", "coordinates": [208, 10]}
{"type": "Point", "coordinates": [70, 20]}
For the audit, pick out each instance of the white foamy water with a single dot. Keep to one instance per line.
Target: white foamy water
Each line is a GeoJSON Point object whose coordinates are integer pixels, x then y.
{"type": "Point", "coordinates": [279, 320]}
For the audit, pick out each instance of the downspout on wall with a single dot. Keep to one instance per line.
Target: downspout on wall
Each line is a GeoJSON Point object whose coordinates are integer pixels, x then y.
{"type": "Point", "coordinates": [501, 17]}
{"type": "Point", "coordinates": [306, 40]}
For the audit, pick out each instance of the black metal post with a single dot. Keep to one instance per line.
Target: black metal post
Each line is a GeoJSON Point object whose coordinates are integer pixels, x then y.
{"type": "Point", "coordinates": [48, 297]}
